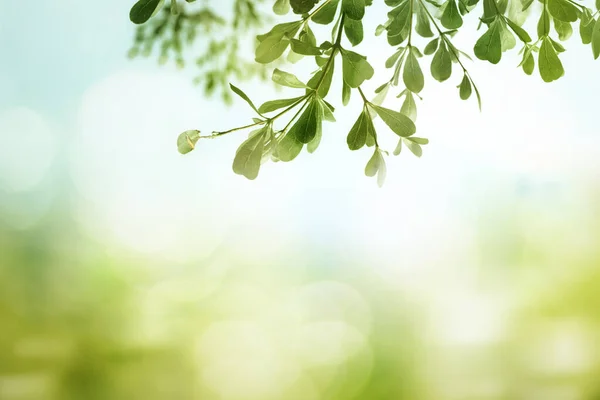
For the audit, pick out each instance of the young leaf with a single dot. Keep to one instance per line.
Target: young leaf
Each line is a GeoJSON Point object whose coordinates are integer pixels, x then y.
{"type": "Point", "coordinates": [273, 105]}
{"type": "Point", "coordinates": [465, 88]}
{"type": "Point", "coordinates": [376, 166]}
{"type": "Point", "coordinates": [418, 140]}
{"type": "Point", "coordinates": [398, 148]}
{"type": "Point", "coordinates": [249, 155]}
{"type": "Point", "coordinates": [412, 75]}
{"type": "Point", "coordinates": [286, 79]}
{"type": "Point", "coordinates": [187, 140]}
{"type": "Point", "coordinates": [409, 107]}
{"type": "Point", "coordinates": [549, 64]}
{"type": "Point", "coordinates": [327, 110]}
{"type": "Point", "coordinates": [414, 147]}
{"type": "Point", "coordinates": [243, 95]}
{"type": "Point", "coordinates": [353, 30]}
{"type": "Point", "coordinates": [441, 64]}
{"type": "Point", "coordinates": [373, 164]}
{"type": "Point", "coordinates": [399, 123]}
{"type": "Point", "coordinates": [143, 10]}
{"type": "Point", "coordinates": [528, 62]}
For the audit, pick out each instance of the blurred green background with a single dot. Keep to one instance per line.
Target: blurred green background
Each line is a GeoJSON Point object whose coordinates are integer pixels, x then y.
{"type": "Point", "coordinates": [128, 271]}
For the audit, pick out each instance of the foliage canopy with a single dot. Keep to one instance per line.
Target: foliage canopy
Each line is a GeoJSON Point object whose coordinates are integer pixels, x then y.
{"type": "Point", "coordinates": [283, 127]}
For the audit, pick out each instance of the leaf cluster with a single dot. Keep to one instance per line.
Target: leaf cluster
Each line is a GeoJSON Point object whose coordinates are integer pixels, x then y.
{"type": "Point", "coordinates": [420, 33]}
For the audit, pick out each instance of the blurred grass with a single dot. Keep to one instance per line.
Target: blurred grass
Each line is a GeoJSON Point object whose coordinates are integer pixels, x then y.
{"type": "Point", "coordinates": [78, 321]}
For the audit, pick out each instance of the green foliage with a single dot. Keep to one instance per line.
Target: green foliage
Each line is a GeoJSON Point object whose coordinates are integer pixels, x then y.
{"type": "Point", "coordinates": [303, 115]}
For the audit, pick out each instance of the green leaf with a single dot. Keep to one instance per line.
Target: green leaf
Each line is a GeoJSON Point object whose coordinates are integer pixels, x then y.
{"type": "Point", "coordinates": [362, 128]}
{"type": "Point", "coordinates": [353, 30]}
{"type": "Point", "coordinates": [326, 14]}
{"type": "Point", "coordinates": [586, 31]}
{"type": "Point", "coordinates": [143, 10]}
{"type": "Point", "coordinates": [399, 27]}
{"type": "Point", "coordinates": [346, 93]}
{"type": "Point", "coordinates": [465, 88]}
{"type": "Point", "coordinates": [564, 29]}
{"type": "Point", "coordinates": [543, 26]}
{"type": "Point", "coordinates": [528, 62]}
{"type": "Point", "coordinates": [557, 46]}
{"type": "Point", "coordinates": [302, 6]}
{"type": "Point", "coordinates": [243, 95]}
{"type": "Point", "coordinates": [327, 110]}
{"type": "Point", "coordinates": [312, 146]}
{"type": "Point", "coordinates": [305, 128]}
{"type": "Point", "coordinates": [409, 107]}
{"type": "Point", "coordinates": [187, 140]}
{"type": "Point", "coordinates": [412, 75]}
{"type": "Point", "coordinates": [478, 95]}
{"type": "Point", "coordinates": [356, 68]}
{"type": "Point", "coordinates": [451, 18]}
{"type": "Point", "coordinates": [325, 84]}
{"type": "Point", "coordinates": [596, 39]}
{"type": "Point", "coordinates": [431, 46]}
{"type": "Point", "coordinates": [389, 63]}
{"type": "Point", "coordinates": [418, 140]}
{"type": "Point", "coordinates": [507, 39]}
{"type": "Point", "coordinates": [423, 27]}
{"type": "Point", "coordinates": [521, 33]}
{"type": "Point", "coordinates": [249, 154]}
{"type": "Point", "coordinates": [354, 9]}
{"type": "Point", "coordinates": [376, 166]}
{"type": "Point", "coordinates": [549, 64]}
{"type": "Point", "coordinates": [398, 148]}
{"type": "Point", "coordinates": [281, 7]}
{"type": "Point", "coordinates": [441, 64]}
{"type": "Point", "coordinates": [399, 123]}
{"type": "Point", "coordinates": [275, 42]}
{"type": "Point", "coordinates": [526, 4]}
{"type": "Point", "coordinates": [414, 147]}
{"type": "Point", "coordinates": [289, 147]}
{"type": "Point", "coordinates": [286, 79]}
{"type": "Point", "coordinates": [273, 105]}
{"type": "Point", "coordinates": [304, 48]}
{"type": "Point", "coordinates": [489, 45]}
{"type": "Point", "coordinates": [563, 10]}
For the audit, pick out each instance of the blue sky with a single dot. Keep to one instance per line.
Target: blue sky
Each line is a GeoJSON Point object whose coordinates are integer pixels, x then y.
{"type": "Point", "coordinates": [74, 109]}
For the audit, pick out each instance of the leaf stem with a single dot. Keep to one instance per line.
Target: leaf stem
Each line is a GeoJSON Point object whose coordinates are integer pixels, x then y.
{"type": "Point", "coordinates": [239, 128]}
